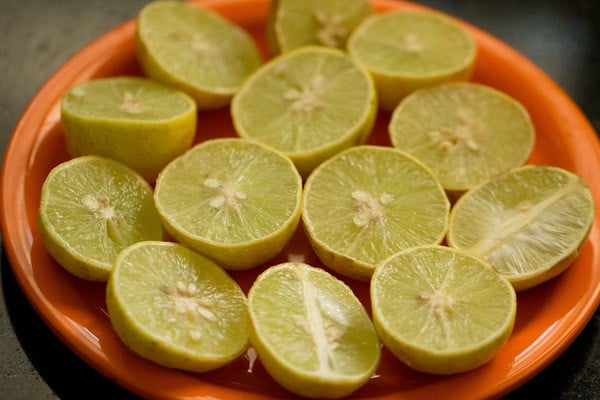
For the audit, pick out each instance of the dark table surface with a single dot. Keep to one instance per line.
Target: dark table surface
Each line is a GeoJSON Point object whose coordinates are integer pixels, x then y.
{"type": "Point", "coordinates": [38, 36]}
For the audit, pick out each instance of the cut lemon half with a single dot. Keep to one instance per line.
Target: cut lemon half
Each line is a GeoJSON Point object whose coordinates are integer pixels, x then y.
{"type": "Point", "coordinates": [406, 50]}
{"type": "Point", "coordinates": [310, 331]}
{"type": "Point", "coordinates": [91, 208]}
{"type": "Point", "coordinates": [236, 201]}
{"type": "Point", "coordinates": [309, 103]}
{"type": "Point", "coordinates": [195, 50]}
{"type": "Point", "coordinates": [465, 132]}
{"type": "Point", "coordinates": [441, 311]}
{"type": "Point", "coordinates": [367, 203]}
{"type": "Point", "coordinates": [177, 308]}
{"type": "Point", "coordinates": [133, 120]}
{"type": "Point", "coordinates": [529, 223]}
{"type": "Point", "coordinates": [296, 23]}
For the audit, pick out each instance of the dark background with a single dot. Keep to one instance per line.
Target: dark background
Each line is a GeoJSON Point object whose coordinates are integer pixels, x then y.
{"type": "Point", "coordinates": [38, 36]}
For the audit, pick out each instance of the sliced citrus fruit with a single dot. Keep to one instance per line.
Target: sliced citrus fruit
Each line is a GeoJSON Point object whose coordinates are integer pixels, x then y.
{"type": "Point", "coordinates": [296, 23]}
{"type": "Point", "coordinates": [177, 308]}
{"type": "Point", "coordinates": [465, 132]}
{"type": "Point", "coordinates": [309, 103]}
{"type": "Point", "coordinates": [310, 331]}
{"type": "Point", "coordinates": [369, 202]}
{"type": "Point", "coordinates": [236, 201]}
{"type": "Point", "coordinates": [406, 50]}
{"type": "Point", "coordinates": [195, 50]}
{"type": "Point", "coordinates": [133, 120]}
{"type": "Point", "coordinates": [91, 208]}
{"type": "Point", "coordinates": [529, 223]}
{"type": "Point", "coordinates": [440, 310]}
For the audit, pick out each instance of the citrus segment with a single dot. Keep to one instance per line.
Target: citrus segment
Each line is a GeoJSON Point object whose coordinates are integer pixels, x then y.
{"type": "Point", "coordinates": [177, 308]}
{"type": "Point", "coordinates": [529, 223]}
{"type": "Point", "coordinates": [310, 332]}
{"type": "Point", "coordinates": [441, 311]}
{"type": "Point", "coordinates": [308, 103]}
{"type": "Point", "coordinates": [296, 23]}
{"type": "Point", "coordinates": [236, 201]}
{"type": "Point", "coordinates": [90, 209]}
{"type": "Point", "coordinates": [465, 132]}
{"type": "Point", "coordinates": [195, 50]}
{"type": "Point", "coordinates": [369, 202]}
{"type": "Point", "coordinates": [135, 121]}
{"type": "Point", "coordinates": [406, 50]}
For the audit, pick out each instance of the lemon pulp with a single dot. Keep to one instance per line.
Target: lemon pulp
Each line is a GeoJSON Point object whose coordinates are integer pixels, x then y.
{"type": "Point", "coordinates": [236, 201]}
{"type": "Point", "coordinates": [136, 121]}
{"type": "Point", "coordinates": [440, 310]}
{"type": "Point", "coordinates": [310, 331]}
{"type": "Point", "coordinates": [195, 50]}
{"type": "Point", "coordinates": [406, 50]}
{"type": "Point", "coordinates": [296, 23]}
{"type": "Point", "coordinates": [369, 202]}
{"type": "Point", "coordinates": [309, 103]}
{"type": "Point", "coordinates": [465, 132]}
{"type": "Point", "coordinates": [91, 208]}
{"type": "Point", "coordinates": [176, 307]}
{"type": "Point", "coordinates": [529, 223]}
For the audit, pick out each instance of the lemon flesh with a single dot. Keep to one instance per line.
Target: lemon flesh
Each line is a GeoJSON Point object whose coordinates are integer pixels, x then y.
{"type": "Point", "coordinates": [309, 103]}
{"type": "Point", "coordinates": [441, 311]}
{"type": "Point", "coordinates": [91, 208]}
{"type": "Point", "coordinates": [235, 201]}
{"type": "Point", "coordinates": [136, 121]}
{"type": "Point", "coordinates": [195, 50]}
{"type": "Point", "coordinates": [296, 23]}
{"type": "Point", "coordinates": [529, 223]}
{"type": "Point", "coordinates": [177, 308]}
{"type": "Point", "coordinates": [406, 50]}
{"type": "Point", "coordinates": [465, 132]}
{"type": "Point", "coordinates": [310, 332]}
{"type": "Point", "coordinates": [369, 202]}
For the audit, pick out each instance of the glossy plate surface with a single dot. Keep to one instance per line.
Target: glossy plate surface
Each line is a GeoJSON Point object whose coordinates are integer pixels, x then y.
{"type": "Point", "coordinates": [549, 317]}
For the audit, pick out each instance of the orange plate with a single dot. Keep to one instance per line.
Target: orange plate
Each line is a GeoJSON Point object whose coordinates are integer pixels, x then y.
{"type": "Point", "coordinates": [549, 317]}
